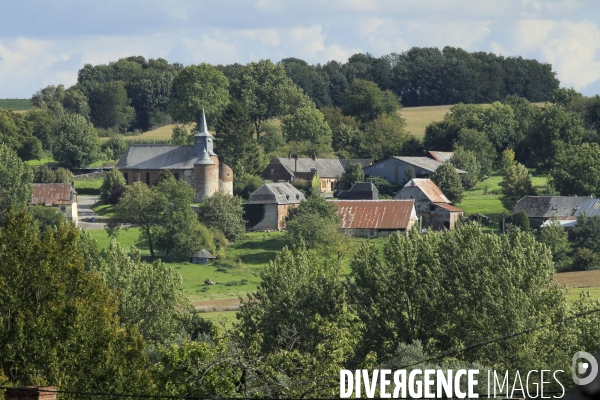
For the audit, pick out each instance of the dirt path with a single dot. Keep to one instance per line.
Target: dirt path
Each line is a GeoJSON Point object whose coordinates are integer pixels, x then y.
{"type": "Point", "coordinates": [217, 305]}
{"type": "Point", "coordinates": [579, 279]}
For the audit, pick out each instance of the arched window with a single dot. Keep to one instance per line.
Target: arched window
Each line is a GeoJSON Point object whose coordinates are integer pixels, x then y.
{"type": "Point", "coordinates": [147, 178]}
{"type": "Point", "coordinates": [126, 176]}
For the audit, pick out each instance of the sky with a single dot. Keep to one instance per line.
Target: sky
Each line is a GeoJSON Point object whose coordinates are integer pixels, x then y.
{"type": "Point", "coordinates": [46, 42]}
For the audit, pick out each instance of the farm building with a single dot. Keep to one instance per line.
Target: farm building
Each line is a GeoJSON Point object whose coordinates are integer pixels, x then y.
{"type": "Point", "coordinates": [202, 257]}
{"type": "Point", "coordinates": [441, 156]}
{"type": "Point", "coordinates": [328, 170]}
{"type": "Point", "coordinates": [269, 204]}
{"type": "Point", "coordinates": [198, 164]}
{"type": "Point", "coordinates": [376, 218]}
{"type": "Point", "coordinates": [395, 169]}
{"type": "Point", "coordinates": [360, 191]}
{"type": "Point", "coordinates": [60, 195]}
{"type": "Point", "coordinates": [540, 209]}
{"type": "Point", "coordinates": [444, 216]}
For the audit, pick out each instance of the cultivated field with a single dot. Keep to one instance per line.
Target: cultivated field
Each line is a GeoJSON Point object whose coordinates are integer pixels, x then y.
{"type": "Point", "coordinates": [580, 281]}
{"type": "Point", "coordinates": [16, 104]}
{"type": "Point", "coordinates": [417, 118]}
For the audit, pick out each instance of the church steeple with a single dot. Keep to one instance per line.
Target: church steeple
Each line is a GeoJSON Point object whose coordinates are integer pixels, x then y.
{"type": "Point", "coordinates": [203, 140]}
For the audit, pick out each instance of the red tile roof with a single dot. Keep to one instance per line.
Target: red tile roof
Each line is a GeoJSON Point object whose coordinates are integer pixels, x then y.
{"type": "Point", "coordinates": [376, 214]}
{"type": "Point", "coordinates": [53, 194]}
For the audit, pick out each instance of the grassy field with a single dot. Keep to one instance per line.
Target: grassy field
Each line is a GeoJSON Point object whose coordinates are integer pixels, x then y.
{"type": "Point", "coordinates": [16, 104]}
{"type": "Point", "coordinates": [579, 281]}
{"type": "Point", "coordinates": [44, 161]}
{"type": "Point", "coordinates": [88, 186]}
{"type": "Point", "coordinates": [417, 118]}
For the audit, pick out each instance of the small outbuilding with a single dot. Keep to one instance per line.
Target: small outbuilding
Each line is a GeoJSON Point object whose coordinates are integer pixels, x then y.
{"type": "Point", "coordinates": [269, 204]}
{"type": "Point", "coordinates": [59, 195]}
{"type": "Point", "coordinates": [360, 191]}
{"type": "Point", "coordinates": [444, 216]}
{"type": "Point", "coordinates": [202, 257]}
{"type": "Point", "coordinates": [376, 218]}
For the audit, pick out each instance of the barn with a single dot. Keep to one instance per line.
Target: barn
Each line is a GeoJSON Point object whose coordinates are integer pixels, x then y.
{"type": "Point", "coordinates": [269, 204]}
{"type": "Point", "coordinates": [376, 218]}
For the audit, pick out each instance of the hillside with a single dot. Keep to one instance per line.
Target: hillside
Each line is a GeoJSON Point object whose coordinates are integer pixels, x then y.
{"type": "Point", "coordinates": [16, 104]}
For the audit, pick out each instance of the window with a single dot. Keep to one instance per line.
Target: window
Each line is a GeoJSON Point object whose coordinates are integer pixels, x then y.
{"type": "Point", "coordinates": [63, 209]}
{"type": "Point", "coordinates": [147, 178]}
{"type": "Point", "coordinates": [126, 176]}
{"type": "Point", "coordinates": [272, 171]}
{"type": "Point", "coordinates": [177, 175]}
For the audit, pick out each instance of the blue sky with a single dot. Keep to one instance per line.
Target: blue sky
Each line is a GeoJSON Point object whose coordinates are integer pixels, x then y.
{"type": "Point", "coordinates": [45, 42]}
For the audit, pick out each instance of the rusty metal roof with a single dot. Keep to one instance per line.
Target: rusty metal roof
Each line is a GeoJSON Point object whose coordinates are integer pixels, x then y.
{"type": "Point", "coordinates": [53, 194]}
{"type": "Point", "coordinates": [430, 189]}
{"type": "Point", "coordinates": [441, 156]}
{"type": "Point", "coordinates": [449, 207]}
{"type": "Point", "coordinates": [376, 214]}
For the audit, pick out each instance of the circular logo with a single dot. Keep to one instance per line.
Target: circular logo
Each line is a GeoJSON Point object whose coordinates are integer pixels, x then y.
{"type": "Point", "coordinates": [582, 367]}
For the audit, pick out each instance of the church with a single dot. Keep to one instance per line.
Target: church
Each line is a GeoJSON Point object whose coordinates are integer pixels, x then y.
{"type": "Point", "coordinates": [198, 165]}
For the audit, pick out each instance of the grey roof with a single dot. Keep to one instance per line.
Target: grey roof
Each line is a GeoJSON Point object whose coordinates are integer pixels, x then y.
{"type": "Point", "coordinates": [276, 193]}
{"type": "Point", "coordinates": [360, 191]}
{"type": "Point", "coordinates": [591, 208]}
{"type": "Point", "coordinates": [426, 163]}
{"type": "Point", "coordinates": [203, 130]}
{"type": "Point", "coordinates": [546, 206]}
{"type": "Point", "coordinates": [157, 156]}
{"type": "Point", "coordinates": [204, 254]}
{"type": "Point", "coordinates": [363, 162]}
{"type": "Point", "coordinates": [441, 156]}
{"type": "Point", "coordinates": [325, 167]}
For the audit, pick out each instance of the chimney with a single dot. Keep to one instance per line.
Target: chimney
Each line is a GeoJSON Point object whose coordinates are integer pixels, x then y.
{"type": "Point", "coordinates": [314, 157]}
{"type": "Point", "coordinates": [296, 163]}
{"type": "Point", "coordinates": [31, 393]}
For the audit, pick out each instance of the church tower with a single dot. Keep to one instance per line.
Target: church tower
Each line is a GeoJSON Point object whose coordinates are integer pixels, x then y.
{"type": "Point", "coordinates": [206, 167]}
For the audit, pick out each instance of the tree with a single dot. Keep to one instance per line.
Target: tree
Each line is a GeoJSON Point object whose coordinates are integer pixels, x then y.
{"type": "Point", "coordinates": [515, 185]}
{"type": "Point", "coordinates": [114, 147]}
{"type": "Point", "coordinates": [585, 260]}
{"type": "Point", "coordinates": [76, 142]}
{"type": "Point", "coordinates": [139, 207]}
{"type": "Point", "coordinates": [365, 101]}
{"type": "Point", "coordinates": [43, 123]}
{"type": "Point", "coordinates": [60, 324]}
{"type": "Point", "coordinates": [150, 295]}
{"type": "Point", "coordinates": [307, 124]}
{"type": "Point", "coordinates": [113, 183]}
{"type": "Point", "coordinates": [353, 173]}
{"type": "Point", "coordinates": [181, 136]}
{"type": "Point", "coordinates": [449, 182]}
{"type": "Point", "coordinates": [555, 237]}
{"type": "Point", "coordinates": [587, 233]}
{"type": "Point", "coordinates": [236, 144]}
{"type": "Point", "coordinates": [467, 161]}
{"type": "Point", "coordinates": [576, 170]}
{"type": "Point", "coordinates": [198, 87]}
{"type": "Point", "coordinates": [244, 185]}
{"type": "Point", "coordinates": [47, 217]}
{"type": "Point", "coordinates": [507, 161]}
{"type": "Point", "coordinates": [516, 220]}
{"type": "Point", "coordinates": [16, 132]}
{"type": "Point", "coordinates": [478, 143]}
{"type": "Point", "coordinates": [110, 107]}
{"type": "Point", "coordinates": [267, 92]}
{"type": "Point", "coordinates": [314, 222]}
{"type": "Point", "coordinates": [15, 181]}
{"type": "Point", "coordinates": [225, 213]}
{"type": "Point", "coordinates": [385, 136]}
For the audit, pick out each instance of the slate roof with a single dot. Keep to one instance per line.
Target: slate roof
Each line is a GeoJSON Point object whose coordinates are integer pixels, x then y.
{"type": "Point", "coordinates": [52, 194]}
{"type": "Point", "coordinates": [376, 214]}
{"type": "Point", "coordinates": [363, 162]}
{"type": "Point", "coordinates": [429, 188]}
{"type": "Point", "coordinates": [546, 206]}
{"type": "Point", "coordinates": [360, 191]}
{"type": "Point", "coordinates": [325, 167]}
{"type": "Point", "coordinates": [441, 156]}
{"type": "Point", "coordinates": [426, 163]}
{"type": "Point", "coordinates": [157, 156]}
{"type": "Point", "coordinates": [591, 208]}
{"type": "Point", "coordinates": [204, 254]}
{"type": "Point", "coordinates": [276, 193]}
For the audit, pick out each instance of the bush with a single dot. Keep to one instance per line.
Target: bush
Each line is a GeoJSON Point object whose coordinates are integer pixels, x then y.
{"type": "Point", "coordinates": [518, 220]}
{"type": "Point", "coordinates": [112, 187]}
{"type": "Point", "coordinates": [585, 260]}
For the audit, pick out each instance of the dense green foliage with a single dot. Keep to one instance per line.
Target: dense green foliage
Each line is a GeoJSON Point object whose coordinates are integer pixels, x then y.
{"type": "Point", "coordinates": [314, 222]}
{"type": "Point", "coordinates": [516, 185]}
{"type": "Point", "coordinates": [113, 186]}
{"type": "Point", "coordinates": [15, 181]}
{"type": "Point", "coordinates": [449, 182]}
{"type": "Point", "coordinates": [76, 142]}
{"type": "Point", "coordinates": [47, 217]}
{"type": "Point", "coordinates": [353, 173]}
{"type": "Point", "coordinates": [225, 213]}
{"type": "Point", "coordinates": [16, 132]}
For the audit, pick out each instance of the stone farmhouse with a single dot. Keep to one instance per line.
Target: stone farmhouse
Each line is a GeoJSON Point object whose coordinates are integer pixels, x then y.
{"type": "Point", "coordinates": [328, 170]}
{"type": "Point", "coordinates": [198, 165]}
{"type": "Point", "coordinates": [272, 201]}
{"type": "Point", "coordinates": [376, 218]}
{"type": "Point", "coordinates": [540, 209]}
{"type": "Point", "coordinates": [395, 169]}
{"type": "Point", "coordinates": [59, 195]}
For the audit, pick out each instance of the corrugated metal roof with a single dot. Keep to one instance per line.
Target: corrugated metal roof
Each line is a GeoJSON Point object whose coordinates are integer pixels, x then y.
{"type": "Point", "coordinates": [591, 208]}
{"type": "Point", "coordinates": [52, 194]}
{"type": "Point", "coordinates": [448, 207]}
{"type": "Point", "coordinates": [441, 156]}
{"type": "Point", "coordinates": [376, 214]}
{"type": "Point", "coordinates": [158, 156]}
{"type": "Point", "coordinates": [546, 206]}
{"type": "Point", "coordinates": [428, 187]}
{"type": "Point", "coordinates": [276, 193]}
{"type": "Point", "coordinates": [426, 163]}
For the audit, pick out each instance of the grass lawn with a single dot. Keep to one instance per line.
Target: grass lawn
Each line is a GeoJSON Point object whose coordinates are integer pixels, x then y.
{"type": "Point", "coordinates": [104, 210]}
{"type": "Point", "coordinates": [88, 186]}
{"type": "Point", "coordinates": [44, 161]}
{"type": "Point", "coordinates": [417, 118]}
{"type": "Point", "coordinates": [16, 104]}
{"type": "Point", "coordinates": [221, 317]}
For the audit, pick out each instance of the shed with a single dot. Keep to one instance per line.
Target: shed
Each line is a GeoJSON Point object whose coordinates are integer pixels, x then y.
{"type": "Point", "coordinates": [395, 169]}
{"type": "Point", "coordinates": [445, 216]}
{"type": "Point", "coordinates": [540, 209]}
{"type": "Point", "coordinates": [272, 202]}
{"type": "Point", "coordinates": [376, 218]}
{"type": "Point", "coordinates": [60, 195]}
{"type": "Point", "coordinates": [360, 191]}
{"type": "Point", "coordinates": [202, 257]}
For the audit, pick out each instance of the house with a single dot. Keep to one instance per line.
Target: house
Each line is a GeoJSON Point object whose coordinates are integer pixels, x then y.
{"type": "Point", "coordinates": [360, 191]}
{"type": "Point", "coordinates": [328, 170]}
{"type": "Point", "coordinates": [444, 216]}
{"type": "Point", "coordinates": [395, 169]}
{"type": "Point", "coordinates": [270, 203]}
{"type": "Point", "coordinates": [60, 195]}
{"type": "Point", "coordinates": [376, 218]}
{"type": "Point", "coordinates": [198, 165]}
{"type": "Point", "coordinates": [202, 257]}
{"type": "Point", "coordinates": [540, 209]}
{"type": "Point", "coordinates": [441, 156]}
{"type": "Point", "coordinates": [591, 208]}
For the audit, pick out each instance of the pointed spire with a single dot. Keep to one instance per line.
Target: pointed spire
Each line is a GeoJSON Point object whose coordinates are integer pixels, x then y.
{"type": "Point", "coordinates": [203, 126]}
